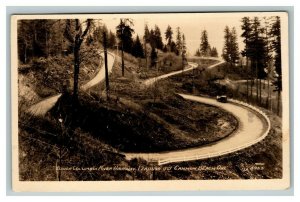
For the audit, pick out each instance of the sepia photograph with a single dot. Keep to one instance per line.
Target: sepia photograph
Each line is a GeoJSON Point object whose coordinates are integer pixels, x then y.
{"type": "Point", "coordinates": [150, 101]}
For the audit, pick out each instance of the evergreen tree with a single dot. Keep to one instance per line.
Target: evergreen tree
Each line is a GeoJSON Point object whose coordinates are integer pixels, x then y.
{"type": "Point", "coordinates": [183, 54]}
{"type": "Point", "coordinates": [258, 54]}
{"type": "Point", "coordinates": [178, 42]}
{"type": "Point", "coordinates": [169, 37]}
{"type": "Point", "coordinates": [124, 33]}
{"type": "Point", "coordinates": [276, 46]}
{"type": "Point", "coordinates": [226, 48]}
{"type": "Point", "coordinates": [25, 40]}
{"type": "Point", "coordinates": [268, 69]}
{"type": "Point", "coordinates": [173, 47]}
{"type": "Point", "coordinates": [147, 34]}
{"type": "Point", "coordinates": [158, 38]}
{"type": "Point", "coordinates": [214, 52]}
{"type": "Point", "coordinates": [208, 51]}
{"type": "Point", "coordinates": [246, 27]}
{"type": "Point", "coordinates": [257, 47]}
{"type": "Point", "coordinates": [234, 55]}
{"type": "Point", "coordinates": [111, 40]}
{"type": "Point", "coordinates": [137, 48]}
{"type": "Point", "coordinates": [98, 34]}
{"type": "Point", "coordinates": [39, 38]}
{"type": "Point", "coordinates": [198, 53]}
{"type": "Point", "coordinates": [230, 50]}
{"type": "Point", "coordinates": [153, 57]}
{"type": "Point", "coordinates": [204, 45]}
{"type": "Point", "coordinates": [152, 39]}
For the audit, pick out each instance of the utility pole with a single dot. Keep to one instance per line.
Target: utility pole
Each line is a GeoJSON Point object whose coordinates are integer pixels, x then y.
{"type": "Point", "coordinates": [122, 59]}
{"type": "Point", "coordinates": [145, 47]}
{"type": "Point", "coordinates": [122, 44]}
{"type": "Point", "coordinates": [105, 63]}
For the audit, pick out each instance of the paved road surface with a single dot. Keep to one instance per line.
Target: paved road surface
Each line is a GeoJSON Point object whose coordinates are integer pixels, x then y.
{"type": "Point", "coordinates": [101, 74]}
{"type": "Point", "coordinates": [192, 66]}
{"type": "Point", "coordinates": [252, 126]}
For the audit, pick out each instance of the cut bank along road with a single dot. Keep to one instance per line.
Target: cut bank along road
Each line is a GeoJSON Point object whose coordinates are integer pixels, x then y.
{"type": "Point", "coordinates": [253, 126]}
{"type": "Point", "coordinates": [42, 107]}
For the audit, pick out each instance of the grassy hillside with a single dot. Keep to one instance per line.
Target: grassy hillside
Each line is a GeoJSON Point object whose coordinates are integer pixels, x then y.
{"type": "Point", "coordinates": [49, 76]}
{"type": "Point", "coordinates": [134, 119]}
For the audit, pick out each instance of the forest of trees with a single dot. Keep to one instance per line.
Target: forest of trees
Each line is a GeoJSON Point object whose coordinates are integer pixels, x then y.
{"type": "Point", "coordinates": [262, 49]}
{"type": "Point", "coordinates": [53, 38]}
{"type": "Point", "coordinates": [205, 49]}
{"type": "Point", "coordinates": [63, 37]}
{"type": "Point", "coordinates": [96, 37]}
{"type": "Point", "coordinates": [124, 33]}
{"type": "Point", "coordinates": [230, 50]}
{"type": "Point", "coordinates": [154, 38]}
{"type": "Point", "coordinates": [40, 38]}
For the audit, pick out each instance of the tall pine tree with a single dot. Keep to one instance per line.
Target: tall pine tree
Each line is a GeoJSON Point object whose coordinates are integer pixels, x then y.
{"type": "Point", "coordinates": [158, 38]}
{"type": "Point", "coordinates": [276, 45]}
{"type": "Point", "coordinates": [169, 37]}
{"type": "Point", "coordinates": [214, 52]}
{"type": "Point", "coordinates": [183, 54]}
{"type": "Point", "coordinates": [234, 46]}
{"type": "Point", "coordinates": [246, 27]}
{"type": "Point", "coordinates": [226, 48]}
{"type": "Point", "coordinates": [147, 34]}
{"type": "Point", "coordinates": [137, 48]}
{"type": "Point", "coordinates": [178, 41]}
{"type": "Point", "coordinates": [124, 33]}
{"type": "Point", "coordinates": [230, 50]}
{"type": "Point", "coordinates": [204, 45]}
{"type": "Point", "coordinates": [153, 56]}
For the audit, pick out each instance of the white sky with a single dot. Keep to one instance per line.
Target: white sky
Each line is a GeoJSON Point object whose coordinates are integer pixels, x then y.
{"type": "Point", "coordinates": [190, 24]}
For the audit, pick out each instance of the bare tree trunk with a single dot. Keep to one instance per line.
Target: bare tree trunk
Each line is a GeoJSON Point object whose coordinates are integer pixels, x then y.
{"type": "Point", "coordinates": [146, 55]}
{"type": "Point", "coordinates": [61, 47]}
{"type": "Point", "coordinates": [256, 70]}
{"type": "Point", "coordinates": [260, 91]}
{"type": "Point", "coordinates": [251, 86]}
{"type": "Point", "coordinates": [268, 98]}
{"type": "Point", "coordinates": [61, 40]}
{"type": "Point", "coordinates": [278, 102]}
{"type": "Point", "coordinates": [105, 63]}
{"type": "Point", "coordinates": [247, 79]}
{"type": "Point", "coordinates": [47, 44]}
{"type": "Point", "coordinates": [76, 72]}
{"type": "Point", "coordinates": [122, 60]}
{"type": "Point", "coordinates": [25, 53]}
{"type": "Point", "coordinates": [35, 34]}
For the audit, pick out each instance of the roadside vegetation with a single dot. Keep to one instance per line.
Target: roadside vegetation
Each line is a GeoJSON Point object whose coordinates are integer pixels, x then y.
{"type": "Point", "coordinates": [260, 161]}
{"type": "Point", "coordinates": [94, 128]}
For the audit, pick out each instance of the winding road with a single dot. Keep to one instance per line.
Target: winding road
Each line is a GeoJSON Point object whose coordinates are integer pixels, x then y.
{"type": "Point", "coordinates": [192, 66]}
{"type": "Point", "coordinates": [42, 107]}
{"type": "Point", "coordinates": [254, 126]}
